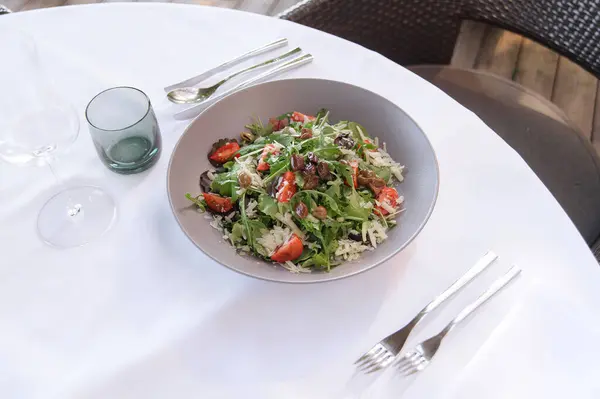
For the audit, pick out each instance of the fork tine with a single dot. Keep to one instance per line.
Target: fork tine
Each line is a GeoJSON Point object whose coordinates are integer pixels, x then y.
{"type": "Point", "coordinates": [402, 361]}
{"type": "Point", "coordinates": [409, 362]}
{"type": "Point", "coordinates": [386, 361]}
{"type": "Point", "coordinates": [416, 367]}
{"type": "Point", "coordinates": [375, 349]}
{"type": "Point", "coordinates": [409, 367]}
{"type": "Point", "coordinates": [374, 360]}
{"type": "Point", "coordinates": [408, 357]}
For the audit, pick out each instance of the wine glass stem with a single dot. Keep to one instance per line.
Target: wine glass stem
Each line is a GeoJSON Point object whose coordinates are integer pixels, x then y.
{"type": "Point", "coordinates": [53, 171]}
{"type": "Point", "coordinates": [73, 209]}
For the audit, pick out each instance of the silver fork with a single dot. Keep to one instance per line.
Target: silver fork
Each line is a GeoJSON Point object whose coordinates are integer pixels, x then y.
{"type": "Point", "coordinates": [418, 358]}
{"type": "Point", "coordinates": [383, 353]}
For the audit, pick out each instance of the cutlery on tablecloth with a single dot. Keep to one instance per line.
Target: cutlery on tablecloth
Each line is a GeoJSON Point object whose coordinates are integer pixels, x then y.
{"type": "Point", "coordinates": [205, 75]}
{"type": "Point", "coordinates": [189, 95]}
{"type": "Point", "coordinates": [383, 353]}
{"type": "Point", "coordinates": [418, 358]}
{"type": "Point", "coordinates": [194, 110]}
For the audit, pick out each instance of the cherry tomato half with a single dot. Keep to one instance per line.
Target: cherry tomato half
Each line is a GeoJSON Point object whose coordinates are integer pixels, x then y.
{"type": "Point", "coordinates": [225, 152]}
{"type": "Point", "coordinates": [217, 203]}
{"type": "Point", "coordinates": [298, 117]}
{"type": "Point", "coordinates": [287, 187]}
{"type": "Point", "coordinates": [390, 196]}
{"type": "Point", "coordinates": [291, 250]}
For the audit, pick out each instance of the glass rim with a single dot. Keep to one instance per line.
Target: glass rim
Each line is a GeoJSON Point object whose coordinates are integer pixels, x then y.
{"type": "Point", "coordinates": [148, 107]}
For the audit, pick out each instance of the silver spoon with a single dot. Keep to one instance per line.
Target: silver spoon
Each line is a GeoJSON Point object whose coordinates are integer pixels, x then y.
{"type": "Point", "coordinates": [187, 95]}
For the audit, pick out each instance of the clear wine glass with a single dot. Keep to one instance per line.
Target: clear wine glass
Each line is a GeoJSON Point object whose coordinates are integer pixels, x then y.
{"type": "Point", "coordinates": [36, 125]}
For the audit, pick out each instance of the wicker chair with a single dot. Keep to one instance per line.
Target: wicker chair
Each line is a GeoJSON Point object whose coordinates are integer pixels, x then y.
{"type": "Point", "coordinates": [413, 32]}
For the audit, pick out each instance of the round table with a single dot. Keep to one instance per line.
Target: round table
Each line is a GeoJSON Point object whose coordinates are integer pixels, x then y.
{"type": "Point", "coordinates": [141, 313]}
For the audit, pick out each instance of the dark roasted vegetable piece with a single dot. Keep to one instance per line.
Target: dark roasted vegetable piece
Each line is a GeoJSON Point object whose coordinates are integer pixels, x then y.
{"type": "Point", "coordinates": [312, 157]}
{"type": "Point", "coordinates": [297, 162]}
{"type": "Point", "coordinates": [376, 185]}
{"type": "Point", "coordinates": [306, 133]}
{"type": "Point", "coordinates": [311, 181]}
{"type": "Point", "coordinates": [310, 168]}
{"type": "Point", "coordinates": [301, 210]}
{"type": "Point", "coordinates": [343, 140]}
{"type": "Point", "coordinates": [205, 182]}
{"type": "Point", "coordinates": [368, 178]}
{"type": "Point", "coordinates": [365, 176]}
{"type": "Point", "coordinates": [323, 171]}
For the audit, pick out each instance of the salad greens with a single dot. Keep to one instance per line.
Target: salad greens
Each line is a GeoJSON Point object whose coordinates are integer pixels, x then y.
{"type": "Point", "coordinates": [301, 191]}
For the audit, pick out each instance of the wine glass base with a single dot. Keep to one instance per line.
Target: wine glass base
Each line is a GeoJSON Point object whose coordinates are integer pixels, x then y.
{"type": "Point", "coordinates": [76, 216]}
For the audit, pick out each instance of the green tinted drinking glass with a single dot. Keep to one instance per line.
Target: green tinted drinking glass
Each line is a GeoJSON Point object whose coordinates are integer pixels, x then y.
{"type": "Point", "coordinates": [124, 129]}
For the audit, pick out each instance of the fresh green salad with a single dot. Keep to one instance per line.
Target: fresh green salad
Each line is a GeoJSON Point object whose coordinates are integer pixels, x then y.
{"type": "Point", "coordinates": [301, 191]}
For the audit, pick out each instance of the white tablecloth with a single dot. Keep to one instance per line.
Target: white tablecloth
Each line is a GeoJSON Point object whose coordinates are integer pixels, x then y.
{"type": "Point", "coordinates": [141, 313]}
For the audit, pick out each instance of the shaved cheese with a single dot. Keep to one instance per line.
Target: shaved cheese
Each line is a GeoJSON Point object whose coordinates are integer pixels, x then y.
{"type": "Point", "coordinates": [372, 238]}
{"type": "Point", "coordinates": [274, 238]}
{"type": "Point", "coordinates": [387, 206]}
{"type": "Point", "coordinates": [251, 208]}
{"type": "Point", "coordinates": [287, 220]}
{"type": "Point", "coordinates": [295, 268]}
{"type": "Point", "coordinates": [360, 133]}
{"type": "Point", "coordinates": [246, 166]}
{"type": "Point", "coordinates": [349, 250]}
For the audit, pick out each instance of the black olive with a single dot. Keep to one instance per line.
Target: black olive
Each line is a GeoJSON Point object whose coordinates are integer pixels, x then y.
{"type": "Point", "coordinates": [273, 187]}
{"type": "Point", "coordinates": [355, 236]}
{"type": "Point", "coordinates": [344, 141]}
{"type": "Point", "coordinates": [205, 182]}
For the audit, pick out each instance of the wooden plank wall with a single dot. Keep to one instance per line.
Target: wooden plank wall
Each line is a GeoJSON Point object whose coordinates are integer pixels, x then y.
{"type": "Point", "coordinates": [534, 66]}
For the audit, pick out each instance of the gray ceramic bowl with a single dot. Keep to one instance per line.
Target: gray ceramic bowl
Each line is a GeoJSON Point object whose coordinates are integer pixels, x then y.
{"type": "Point", "coordinates": [406, 143]}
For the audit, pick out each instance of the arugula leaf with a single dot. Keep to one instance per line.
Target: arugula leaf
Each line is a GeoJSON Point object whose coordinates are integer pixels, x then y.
{"type": "Point", "coordinates": [299, 179]}
{"type": "Point", "coordinates": [244, 218]}
{"type": "Point", "coordinates": [354, 209]}
{"type": "Point", "coordinates": [196, 201]}
{"type": "Point", "coordinates": [320, 115]}
{"type": "Point", "coordinates": [328, 153]}
{"type": "Point", "coordinates": [334, 188]}
{"type": "Point", "coordinates": [331, 203]}
{"type": "Point", "coordinates": [226, 184]}
{"type": "Point", "coordinates": [381, 172]}
{"type": "Point", "coordinates": [259, 129]}
{"type": "Point", "coordinates": [353, 127]}
{"type": "Point", "coordinates": [237, 232]}
{"type": "Point", "coordinates": [284, 139]}
{"type": "Point", "coordinates": [278, 167]}
{"type": "Point", "coordinates": [319, 261]}
{"type": "Point", "coordinates": [287, 116]}
{"type": "Point", "coordinates": [344, 170]}
{"type": "Point", "coordinates": [267, 205]}
{"type": "Point", "coordinates": [250, 148]}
